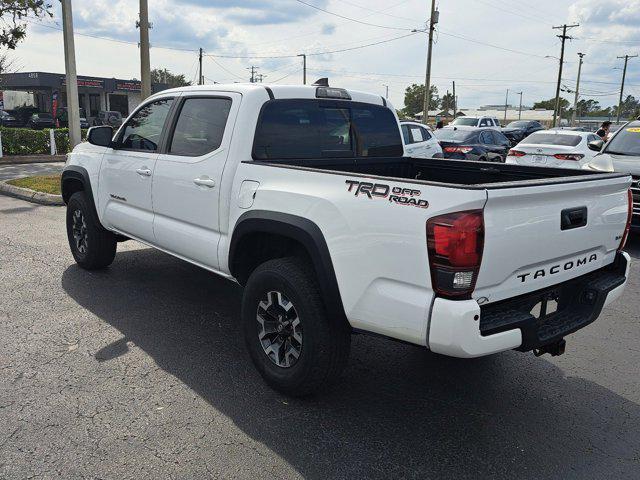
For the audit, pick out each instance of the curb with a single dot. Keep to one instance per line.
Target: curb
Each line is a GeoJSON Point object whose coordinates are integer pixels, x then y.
{"type": "Point", "coordinates": [25, 159]}
{"type": "Point", "coordinates": [30, 195]}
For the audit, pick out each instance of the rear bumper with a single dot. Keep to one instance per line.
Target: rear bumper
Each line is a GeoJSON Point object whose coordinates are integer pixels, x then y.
{"type": "Point", "coordinates": [464, 329]}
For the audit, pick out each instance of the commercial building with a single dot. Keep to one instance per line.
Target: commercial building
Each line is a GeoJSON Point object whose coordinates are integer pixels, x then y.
{"type": "Point", "coordinates": [47, 92]}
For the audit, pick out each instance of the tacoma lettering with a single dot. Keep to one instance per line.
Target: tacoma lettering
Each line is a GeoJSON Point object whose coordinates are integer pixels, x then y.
{"type": "Point", "coordinates": [556, 268]}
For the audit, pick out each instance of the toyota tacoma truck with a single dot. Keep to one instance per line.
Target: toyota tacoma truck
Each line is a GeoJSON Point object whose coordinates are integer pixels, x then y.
{"type": "Point", "coordinates": [305, 197]}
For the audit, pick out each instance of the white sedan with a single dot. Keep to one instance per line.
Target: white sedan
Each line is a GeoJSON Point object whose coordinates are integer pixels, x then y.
{"type": "Point", "coordinates": [419, 141]}
{"type": "Point", "coordinates": [554, 148]}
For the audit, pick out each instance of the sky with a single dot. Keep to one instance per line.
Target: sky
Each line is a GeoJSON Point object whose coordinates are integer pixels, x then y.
{"type": "Point", "coordinates": [485, 46]}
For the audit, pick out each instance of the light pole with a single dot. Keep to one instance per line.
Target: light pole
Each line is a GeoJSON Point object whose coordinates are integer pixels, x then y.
{"type": "Point", "coordinates": [304, 67]}
{"type": "Point", "coordinates": [506, 102]}
{"type": "Point", "coordinates": [386, 94]}
{"type": "Point", "coordinates": [73, 104]}
{"type": "Point", "coordinates": [145, 62]}
{"type": "Point", "coordinates": [575, 100]}
{"type": "Point", "coordinates": [520, 109]}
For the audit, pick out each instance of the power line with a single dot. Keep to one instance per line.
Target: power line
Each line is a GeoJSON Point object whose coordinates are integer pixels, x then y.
{"type": "Point", "coordinates": [257, 56]}
{"type": "Point", "coordinates": [351, 19]}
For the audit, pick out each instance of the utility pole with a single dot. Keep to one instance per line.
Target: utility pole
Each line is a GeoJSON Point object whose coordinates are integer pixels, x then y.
{"type": "Point", "coordinates": [563, 37]}
{"type": "Point", "coordinates": [304, 68]}
{"type": "Point", "coordinates": [201, 76]}
{"type": "Point", "coordinates": [260, 76]}
{"type": "Point", "coordinates": [506, 101]}
{"type": "Point", "coordinates": [624, 74]}
{"type": "Point", "coordinates": [73, 104]}
{"type": "Point", "coordinates": [455, 106]}
{"type": "Point", "coordinates": [433, 20]}
{"type": "Point", "coordinates": [145, 62]}
{"type": "Point", "coordinates": [386, 94]}
{"type": "Point", "coordinates": [575, 100]}
{"type": "Point", "coordinates": [520, 109]}
{"type": "Point", "coordinates": [254, 70]}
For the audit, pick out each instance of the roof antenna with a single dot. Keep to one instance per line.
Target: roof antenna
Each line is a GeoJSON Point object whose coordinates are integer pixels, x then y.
{"type": "Point", "coordinates": [321, 82]}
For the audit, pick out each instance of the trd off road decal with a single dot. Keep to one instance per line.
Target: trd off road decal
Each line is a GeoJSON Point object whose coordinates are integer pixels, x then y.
{"type": "Point", "coordinates": [398, 195]}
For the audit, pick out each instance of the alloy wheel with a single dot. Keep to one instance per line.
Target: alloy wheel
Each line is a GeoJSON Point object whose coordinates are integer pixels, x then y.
{"type": "Point", "coordinates": [280, 330]}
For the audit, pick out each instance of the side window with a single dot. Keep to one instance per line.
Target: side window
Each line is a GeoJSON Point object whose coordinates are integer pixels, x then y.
{"type": "Point", "coordinates": [143, 130]}
{"type": "Point", "coordinates": [405, 134]}
{"type": "Point", "coordinates": [416, 133]}
{"type": "Point", "coordinates": [200, 126]}
{"type": "Point", "coordinates": [484, 122]}
{"type": "Point", "coordinates": [485, 137]}
{"type": "Point", "coordinates": [425, 133]}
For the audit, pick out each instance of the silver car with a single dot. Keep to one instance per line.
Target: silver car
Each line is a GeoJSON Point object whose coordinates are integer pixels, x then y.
{"type": "Point", "coordinates": [621, 154]}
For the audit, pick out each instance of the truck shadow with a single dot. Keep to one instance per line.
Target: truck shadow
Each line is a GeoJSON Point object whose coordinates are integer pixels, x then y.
{"type": "Point", "coordinates": [398, 412]}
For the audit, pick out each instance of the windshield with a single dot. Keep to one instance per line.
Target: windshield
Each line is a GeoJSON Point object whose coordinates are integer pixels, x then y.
{"type": "Point", "coordinates": [453, 135]}
{"type": "Point", "coordinates": [468, 122]}
{"type": "Point", "coordinates": [517, 125]}
{"type": "Point", "coordinates": [627, 141]}
{"type": "Point", "coordinates": [553, 139]}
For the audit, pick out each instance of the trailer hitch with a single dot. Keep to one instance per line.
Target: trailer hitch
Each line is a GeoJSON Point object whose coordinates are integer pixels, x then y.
{"type": "Point", "coordinates": [554, 349]}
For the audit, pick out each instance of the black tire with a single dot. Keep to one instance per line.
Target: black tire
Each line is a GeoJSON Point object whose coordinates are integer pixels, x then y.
{"type": "Point", "coordinates": [97, 248]}
{"type": "Point", "coordinates": [325, 341]}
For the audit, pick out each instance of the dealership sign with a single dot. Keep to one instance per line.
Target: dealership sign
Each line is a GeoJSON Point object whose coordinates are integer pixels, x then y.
{"type": "Point", "coordinates": [87, 82]}
{"type": "Point", "coordinates": [130, 86]}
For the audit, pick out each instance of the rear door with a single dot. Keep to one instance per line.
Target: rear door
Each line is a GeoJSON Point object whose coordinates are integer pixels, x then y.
{"type": "Point", "coordinates": [187, 178]}
{"type": "Point", "coordinates": [527, 246]}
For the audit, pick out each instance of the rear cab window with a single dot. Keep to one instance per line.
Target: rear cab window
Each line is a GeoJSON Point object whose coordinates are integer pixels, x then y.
{"type": "Point", "coordinates": [553, 139]}
{"type": "Point", "coordinates": [315, 128]}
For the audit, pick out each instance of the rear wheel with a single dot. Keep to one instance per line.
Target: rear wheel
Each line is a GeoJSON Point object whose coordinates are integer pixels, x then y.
{"type": "Point", "coordinates": [92, 246]}
{"type": "Point", "coordinates": [297, 348]}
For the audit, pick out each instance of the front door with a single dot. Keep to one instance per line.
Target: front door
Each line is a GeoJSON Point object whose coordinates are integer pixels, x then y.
{"type": "Point", "coordinates": [188, 177]}
{"type": "Point", "coordinates": [127, 172]}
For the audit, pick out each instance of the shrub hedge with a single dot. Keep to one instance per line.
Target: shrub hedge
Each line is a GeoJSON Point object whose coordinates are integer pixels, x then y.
{"type": "Point", "coordinates": [24, 141]}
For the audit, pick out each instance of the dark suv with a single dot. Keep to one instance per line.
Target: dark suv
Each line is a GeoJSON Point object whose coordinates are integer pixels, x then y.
{"type": "Point", "coordinates": [520, 129]}
{"type": "Point", "coordinates": [109, 118]}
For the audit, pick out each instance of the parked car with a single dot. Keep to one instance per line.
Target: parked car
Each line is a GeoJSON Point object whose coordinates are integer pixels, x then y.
{"type": "Point", "coordinates": [108, 117]}
{"type": "Point", "coordinates": [335, 234]}
{"type": "Point", "coordinates": [62, 117]}
{"type": "Point", "coordinates": [520, 129]}
{"type": "Point", "coordinates": [419, 141]}
{"type": "Point", "coordinates": [621, 154]}
{"type": "Point", "coordinates": [472, 143]}
{"type": "Point", "coordinates": [554, 148]}
{"type": "Point", "coordinates": [478, 122]}
{"type": "Point", "coordinates": [23, 115]}
{"type": "Point", "coordinates": [8, 120]}
{"type": "Point", "coordinates": [41, 120]}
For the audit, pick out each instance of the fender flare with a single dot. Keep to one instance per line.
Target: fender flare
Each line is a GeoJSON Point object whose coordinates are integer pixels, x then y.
{"type": "Point", "coordinates": [304, 231]}
{"type": "Point", "coordinates": [74, 172]}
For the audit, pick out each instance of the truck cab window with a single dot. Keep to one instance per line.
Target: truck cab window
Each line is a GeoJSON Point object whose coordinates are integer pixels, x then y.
{"type": "Point", "coordinates": [200, 126]}
{"type": "Point", "coordinates": [305, 129]}
{"type": "Point", "coordinates": [143, 130]}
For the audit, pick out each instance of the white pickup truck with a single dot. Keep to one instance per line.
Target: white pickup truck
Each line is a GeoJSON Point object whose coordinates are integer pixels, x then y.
{"type": "Point", "coordinates": [303, 195]}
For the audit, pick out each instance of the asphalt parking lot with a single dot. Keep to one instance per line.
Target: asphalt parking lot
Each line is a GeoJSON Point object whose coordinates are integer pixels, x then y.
{"type": "Point", "coordinates": [140, 372]}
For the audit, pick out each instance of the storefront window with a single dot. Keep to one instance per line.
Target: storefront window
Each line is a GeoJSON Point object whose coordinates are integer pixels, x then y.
{"type": "Point", "coordinates": [94, 104]}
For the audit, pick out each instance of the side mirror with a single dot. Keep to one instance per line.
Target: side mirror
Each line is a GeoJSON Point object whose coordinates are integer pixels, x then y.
{"type": "Point", "coordinates": [595, 145]}
{"type": "Point", "coordinates": [100, 136]}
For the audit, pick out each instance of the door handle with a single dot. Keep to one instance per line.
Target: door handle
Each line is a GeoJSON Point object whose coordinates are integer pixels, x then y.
{"type": "Point", "coordinates": [144, 171]}
{"type": "Point", "coordinates": [205, 182]}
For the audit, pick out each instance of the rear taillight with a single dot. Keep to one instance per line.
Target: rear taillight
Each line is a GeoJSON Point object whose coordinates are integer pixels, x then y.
{"type": "Point", "coordinates": [515, 153]}
{"type": "Point", "coordinates": [457, 149]}
{"type": "Point", "coordinates": [569, 156]}
{"type": "Point", "coordinates": [455, 242]}
{"type": "Point", "coordinates": [627, 227]}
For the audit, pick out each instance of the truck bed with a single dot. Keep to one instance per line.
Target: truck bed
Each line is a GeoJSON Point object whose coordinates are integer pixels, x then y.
{"type": "Point", "coordinates": [443, 172]}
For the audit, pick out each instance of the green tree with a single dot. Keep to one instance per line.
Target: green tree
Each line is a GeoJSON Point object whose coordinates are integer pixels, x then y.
{"type": "Point", "coordinates": [12, 12]}
{"type": "Point", "coordinates": [414, 99]}
{"type": "Point", "coordinates": [551, 105]}
{"type": "Point", "coordinates": [630, 107]}
{"type": "Point", "coordinates": [162, 75]}
{"type": "Point", "coordinates": [448, 103]}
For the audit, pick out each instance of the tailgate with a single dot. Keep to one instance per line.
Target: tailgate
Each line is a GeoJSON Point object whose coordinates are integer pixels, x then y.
{"type": "Point", "coordinates": [528, 246]}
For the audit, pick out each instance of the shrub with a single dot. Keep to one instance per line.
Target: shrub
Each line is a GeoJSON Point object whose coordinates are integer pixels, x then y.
{"type": "Point", "coordinates": [24, 141]}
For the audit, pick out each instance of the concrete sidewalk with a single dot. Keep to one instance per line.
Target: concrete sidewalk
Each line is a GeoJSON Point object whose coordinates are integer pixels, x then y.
{"type": "Point", "coordinates": [20, 159]}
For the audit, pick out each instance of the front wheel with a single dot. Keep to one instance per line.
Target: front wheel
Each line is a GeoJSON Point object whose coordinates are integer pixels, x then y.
{"type": "Point", "coordinates": [92, 246]}
{"type": "Point", "coordinates": [297, 348]}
